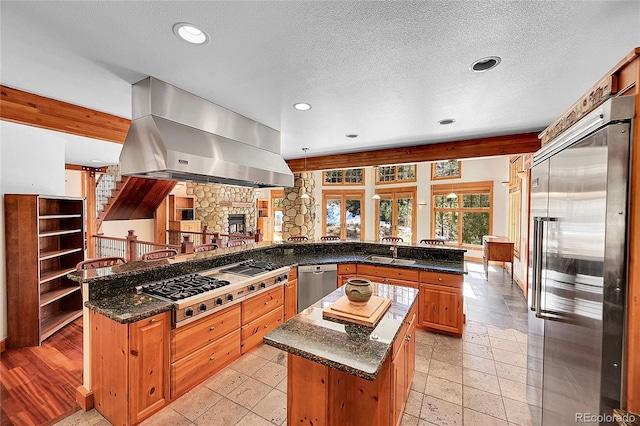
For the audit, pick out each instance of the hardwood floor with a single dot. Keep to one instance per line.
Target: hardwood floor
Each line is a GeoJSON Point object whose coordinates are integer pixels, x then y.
{"type": "Point", "coordinates": [37, 384]}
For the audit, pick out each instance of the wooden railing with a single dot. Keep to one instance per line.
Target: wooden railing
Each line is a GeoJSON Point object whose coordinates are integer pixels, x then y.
{"type": "Point", "coordinates": [132, 249]}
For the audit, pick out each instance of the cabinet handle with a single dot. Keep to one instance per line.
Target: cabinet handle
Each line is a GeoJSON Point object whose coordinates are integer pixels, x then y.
{"type": "Point", "coordinates": [211, 328]}
{"type": "Point", "coordinates": [266, 303]}
{"type": "Point", "coordinates": [266, 325]}
{"type": "Point", "coordinates": [152, 320]}
{"type": "Point", "coordinates": [439, 278]}
{"type": "Point", "coordinates": [212, 357]}
{"type": "Point", "coordinates": [408, 337]}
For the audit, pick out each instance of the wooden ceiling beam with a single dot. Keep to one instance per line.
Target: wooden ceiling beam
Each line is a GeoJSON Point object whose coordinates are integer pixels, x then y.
{"type": "Point", "coordinates": [523, 143]}
{"type": "Point", "coordinates": [34, 110]}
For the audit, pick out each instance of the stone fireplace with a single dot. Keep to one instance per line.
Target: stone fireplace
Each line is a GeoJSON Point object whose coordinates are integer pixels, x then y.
{"type": "Point", "coordinates": [236, 224]}
{"type": "Point", "coordinates": [214, 204]}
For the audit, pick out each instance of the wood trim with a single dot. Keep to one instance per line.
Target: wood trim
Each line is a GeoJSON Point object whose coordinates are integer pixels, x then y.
{"type": "Point", "coordinates": [91, 222]}
{"type": "Point", "coordinates": [3, 345]}
{"type": "Point", "coordinates": [30, 109]}
{"type": "Point", "coordinates": [84, 398]}
{"type": "Point", "coordinates": [522, 143]}
{"type": "Point", "coordinates": [325, 183]}
{"type": "Point", "coordinates": [160, 222]}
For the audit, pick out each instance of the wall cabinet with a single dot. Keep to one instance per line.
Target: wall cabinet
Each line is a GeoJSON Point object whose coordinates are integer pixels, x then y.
{"type": "Point", "coordinates": [137, 351]}
{"type": "Point", "coordinates": [181, 207]}
{"type": "Point", "coordinates": [291, 295]}
{"type": "Point", "coordinates": [441, 301]}
{"type": "Point", "coordinates": [45, 240]}
{"type": "Point", "coordinates": [182, 226]}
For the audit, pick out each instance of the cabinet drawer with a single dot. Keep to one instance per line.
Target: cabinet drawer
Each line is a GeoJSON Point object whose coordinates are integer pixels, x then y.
{"type": "Point", "coordinates": [186, 339]}
{"type": "Point", "coordinates": [293, 273]}
{"type": "Point", "coordinates": [386, 272]}
{"type": "Point", "coordinates": [347, 268]}
{"type": "Point", "coordinates": [196, 367]}
{"type": "Point", "coordinates": [441, 278]}
{"type": "Point", "coordinates": [253, 332]}
{"type": "Point", "coordinates": [259, 305]}
{"type": "Point", "coordinates": [406, 325]}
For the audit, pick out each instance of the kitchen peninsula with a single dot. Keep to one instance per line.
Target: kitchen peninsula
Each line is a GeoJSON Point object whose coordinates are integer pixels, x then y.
{"type": "Point", "coordinates": [162, 361]}
{"type": "Point", "coordinates": [356, 374]}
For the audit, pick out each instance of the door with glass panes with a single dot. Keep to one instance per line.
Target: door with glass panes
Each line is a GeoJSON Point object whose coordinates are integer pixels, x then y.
{"type": "Point", "coordinates": [343, 214]}
{"type": "Point", "coordinates": [395, 213]}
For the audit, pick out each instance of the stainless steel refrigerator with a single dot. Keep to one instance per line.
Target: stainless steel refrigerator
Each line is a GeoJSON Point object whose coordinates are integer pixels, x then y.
{"type": "Point", "coordinates": [578, 269]}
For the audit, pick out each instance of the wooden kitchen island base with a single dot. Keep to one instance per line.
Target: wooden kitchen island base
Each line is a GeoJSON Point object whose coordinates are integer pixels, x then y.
{"type": "Point", "coordinates": [320, 395]}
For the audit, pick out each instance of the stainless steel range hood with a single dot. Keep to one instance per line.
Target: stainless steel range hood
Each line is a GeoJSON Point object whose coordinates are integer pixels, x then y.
{"type": "Point", "coordinates": [177, 135]}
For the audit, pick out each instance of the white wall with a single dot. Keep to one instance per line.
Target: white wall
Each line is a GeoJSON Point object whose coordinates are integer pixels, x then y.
{"type": "Point", "coordinates": [119, 228]}
{"type": "Point", "coordinates": [31, 162]}
{"type": "Point", "coordinates": [73, 183]}
{"type": "Point", "coordinates": [495, 169]}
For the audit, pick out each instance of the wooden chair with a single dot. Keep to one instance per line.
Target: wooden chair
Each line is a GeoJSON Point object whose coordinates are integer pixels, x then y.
{"type": "Point", "coordinates": [330, 238]}
{"type": "Point", "coordinates": [298, 238]}
{"type": "Point", "coordinates": [159, 254]}
{"type": "Point", "coordinates": [236, 242]}
{"type": "Point", "coordinates": [205, 247]}
{"type": "Point", "coordinates": [432, 241]}
{"type": "Point", "coordinates": [100, 262]}
{"type": "Point", "coordinates": [392, 240]}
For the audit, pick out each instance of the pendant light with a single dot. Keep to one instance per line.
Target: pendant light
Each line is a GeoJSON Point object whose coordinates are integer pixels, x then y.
{"type": "Point", "coordinates": [305, 195]}
{"type": "Point", "coordinates": [376, 197]}
{"type": "Point", "coordinates": [452, 195]}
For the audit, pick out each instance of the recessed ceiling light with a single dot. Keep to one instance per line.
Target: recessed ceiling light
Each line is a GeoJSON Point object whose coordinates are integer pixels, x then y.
{"type": "Point", "coordinates": [351, 135]}
{"type": "Point", "coordinates": [96, 161]}
{"type": "Point", "coordinates": [302, 106]}
{"type": "Point", "coordinates": [190, 33]}
{"type": "Point", "coordinates": [446, 121]}
{"type": "Point", "coordinates": [485, 64]}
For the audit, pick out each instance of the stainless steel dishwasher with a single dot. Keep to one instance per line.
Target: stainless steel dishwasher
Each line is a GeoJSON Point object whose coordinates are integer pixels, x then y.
{"type": "Point", "coordinates": [315, 282]}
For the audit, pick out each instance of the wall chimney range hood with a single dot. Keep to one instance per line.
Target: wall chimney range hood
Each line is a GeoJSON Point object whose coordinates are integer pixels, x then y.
{"type": "Point", "coordinates": [177, 135]}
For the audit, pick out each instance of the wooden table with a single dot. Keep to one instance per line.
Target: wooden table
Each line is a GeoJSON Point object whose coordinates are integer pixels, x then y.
{"type": "Point", "coordinates": [499, 249]}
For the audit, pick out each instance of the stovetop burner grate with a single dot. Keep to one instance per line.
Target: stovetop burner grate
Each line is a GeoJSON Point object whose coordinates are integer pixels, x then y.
{"type": "Point", "coordinates": [185, 286]}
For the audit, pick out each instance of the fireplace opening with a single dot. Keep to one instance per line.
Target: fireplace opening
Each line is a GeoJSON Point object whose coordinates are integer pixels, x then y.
{"type": "Point", "coordinates": [236, 224]}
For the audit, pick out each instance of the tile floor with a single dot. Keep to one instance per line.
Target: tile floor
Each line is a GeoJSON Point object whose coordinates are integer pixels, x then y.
{"type": "Point", "coordinates": [477, 380]}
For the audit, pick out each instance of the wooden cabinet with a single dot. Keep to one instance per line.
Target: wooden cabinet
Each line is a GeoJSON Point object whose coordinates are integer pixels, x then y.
{"type": "Point", "coordinates": [138, 352]}
{"type": "Point", "coordinates": [181, 207]}
{"type": "Point", "coordinates": [261, 314]}
{"type": "Point", "coordinates": [203, 347]}
{"type": "Point", "coordinates": [388, 273]}
{"type": "Point", "coordinates": [182, 226]}
{"type": "Point", "coordinates": [265, 224]}
{"type": "Point", "coordinates": [441, 300]}
{"type": "Point", "coordinates": [403, 367]}
{"type": "Point", "coordinates": [291, 295]}
{"type": "Point", "coordinates": [44, 241]}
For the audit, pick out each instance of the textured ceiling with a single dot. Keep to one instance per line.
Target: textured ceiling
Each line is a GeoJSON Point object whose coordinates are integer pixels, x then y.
{"type": "Point", "coordinates": [387, 71]}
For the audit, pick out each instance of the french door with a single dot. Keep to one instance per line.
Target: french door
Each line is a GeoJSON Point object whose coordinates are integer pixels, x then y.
{"type": "Point", "coordinates": [395, 213]}
{"type": "Point", "coordinates": [343, 214]}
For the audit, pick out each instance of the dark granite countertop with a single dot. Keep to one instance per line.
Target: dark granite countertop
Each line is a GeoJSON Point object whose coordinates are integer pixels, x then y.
{"type": "Point", "coordinates": [129, 307]}
{"type": "Point", "coordinates": [349, 347]}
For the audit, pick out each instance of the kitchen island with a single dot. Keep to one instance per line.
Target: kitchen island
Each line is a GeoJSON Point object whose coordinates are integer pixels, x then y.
{"type": "Point", "coordinates": [345, 373]}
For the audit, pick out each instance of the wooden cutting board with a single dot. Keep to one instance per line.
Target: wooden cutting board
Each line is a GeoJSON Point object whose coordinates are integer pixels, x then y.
{"type": "Point", "coordinates": [368, 314]}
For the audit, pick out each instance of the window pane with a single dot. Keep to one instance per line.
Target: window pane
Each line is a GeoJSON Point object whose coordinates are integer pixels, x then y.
{"type": "Point", "coordinates": [277, 203]}
{"type": "Point", "coordinates": [353, 220]}
{"type": "Point", "coordinates": [474, 226]}
{"type": "Point", "coordinates": [407, 172]}
{"type": "Point", "coordinates": [333, 176]}
{"type": "Point", "coordinates": [384, 218]}
{"type": "Point", "coordinates": [475, 200]}
{"type": "Point", "coordinates": [447, 226]}
{"type": "Point", "coordinates": [353, 176]}
{"type": "Point", "coordinates": [386, 174]}
{"type": "Point", "coordinates": [405, 215]}
{"type": "Point", "coordinates": [446, 203]}
{"type": "Point", "coordinates": [332, 227]}
{"type": "Point", "coordinates": [449, 168]}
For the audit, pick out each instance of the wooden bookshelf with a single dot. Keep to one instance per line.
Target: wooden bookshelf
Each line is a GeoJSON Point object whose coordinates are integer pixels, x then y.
{"type": "Point", "coordinates": [44, 242]}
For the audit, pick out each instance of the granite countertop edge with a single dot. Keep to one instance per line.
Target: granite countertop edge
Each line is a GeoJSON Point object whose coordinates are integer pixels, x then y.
{"type": "Point", "coordinates": [129, 307]}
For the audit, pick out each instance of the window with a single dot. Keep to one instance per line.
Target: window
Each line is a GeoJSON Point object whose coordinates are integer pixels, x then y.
{"type": "Point", "coordinates": [395, 212]}
{"type": "Point", "coordinates": [516, 164]}
{"type": "Point", "coordinates": [396, 174]}
{"type": "Point", "coordinates": [344, 177]}
{"type": "Point", "coordinates": [343, 214]}
{"type": "Point", "coordinates": [463, 219]}
{"type": "Point", "coordinates": [449, 169]}
{"type": "Point", "coordinates": [277, 207]}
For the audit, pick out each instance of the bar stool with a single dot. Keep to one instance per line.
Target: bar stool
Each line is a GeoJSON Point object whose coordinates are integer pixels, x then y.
{"type": "Point", "coordinates": [392, 240]}
{"type": "Point", "coordinates": [298, 238]}
{"type": "Point", "coordinates": [432, 241]}
{"type": "Point", "coordinates": [100, 262]}
{"type": "Point", "coordinates": [205, 247]}
{"type": "Point", "coordinates": [330, 238]}
{"type": "Point", "coordinates": [159, 254]}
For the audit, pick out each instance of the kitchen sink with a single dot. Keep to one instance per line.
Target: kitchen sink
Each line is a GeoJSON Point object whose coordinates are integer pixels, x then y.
{"type": "Point", "coordinates": [384, 259]}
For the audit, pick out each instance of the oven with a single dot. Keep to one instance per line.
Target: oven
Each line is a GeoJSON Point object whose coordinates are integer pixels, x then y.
{"type": "Point", "coordinates": [195, 296]}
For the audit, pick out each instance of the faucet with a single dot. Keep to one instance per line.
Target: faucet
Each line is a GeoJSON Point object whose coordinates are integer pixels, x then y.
{"type": "Point", "coordinates": [395, 251]}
